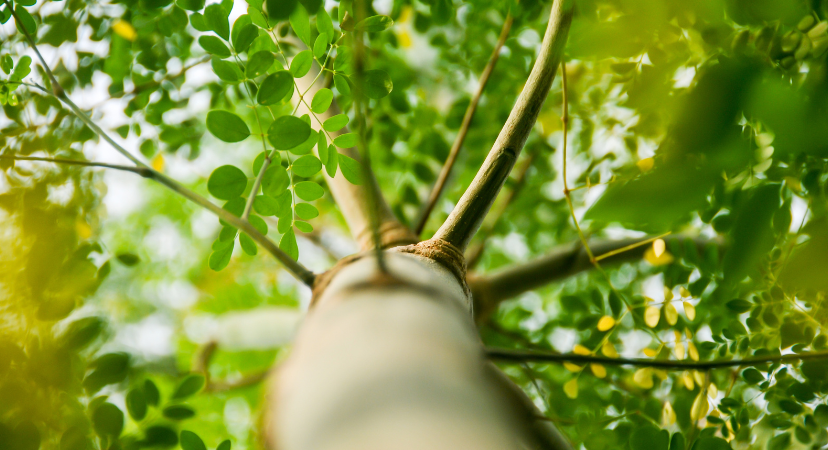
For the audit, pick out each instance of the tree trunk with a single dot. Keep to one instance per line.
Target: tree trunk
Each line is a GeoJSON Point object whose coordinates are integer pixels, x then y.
{"type": "Point", "coordinates": [394, 361]}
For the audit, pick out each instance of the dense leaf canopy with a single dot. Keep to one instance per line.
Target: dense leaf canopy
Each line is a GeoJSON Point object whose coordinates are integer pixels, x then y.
{"type": "Point", "coordinates": [703, 123]}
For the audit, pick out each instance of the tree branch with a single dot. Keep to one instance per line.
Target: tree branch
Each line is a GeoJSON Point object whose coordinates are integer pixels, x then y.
{"type": "Point", "coordinates": [142, 171]}
{"type": "Point", "coordinates": [522, 356]}
{"type": "Point", "coordinates": [565, 261]}
{"type": "Point", "coordinates": [475, 253]}
{"type": "Point", "coordinates": [473, 206]}
{"type": "Point", "coordinates": [297, 269]}
{"type": "Point", "coordinates": [440, 184]}
{"type": "Point", "coordinates": [202, 366]}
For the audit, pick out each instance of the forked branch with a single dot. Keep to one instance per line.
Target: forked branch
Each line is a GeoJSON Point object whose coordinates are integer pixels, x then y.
{"type": "Point", "coordinates": [475, 203]}
{"type": "Point", "coordinates": [440, 184]}
{"type": "Point", "coordinates": [297, 269]}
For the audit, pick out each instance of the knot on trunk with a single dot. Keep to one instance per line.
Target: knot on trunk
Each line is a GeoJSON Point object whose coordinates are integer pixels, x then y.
{"type": "Point", "coordinates": [442, 252]}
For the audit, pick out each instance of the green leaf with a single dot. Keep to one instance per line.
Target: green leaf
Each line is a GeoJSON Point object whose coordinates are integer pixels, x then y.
{"type": "Point", "coordinates": [305, 147]}
{"type": "Point", "coordinates": [279, 10]}
{"type": "Point", "coordinates": [151, 393]}
{"type": "Point", "coordinates": [324, 24]}
{"type": "Point", "coordinates": [351, 169]}
{"type": "Point", "coordinates": [288, 244]}
{"type": "Point", "coordinates": [752, 232]}
{"type": "Point", "coordinates": [136, 404]}
{"type": "Point", "coordinates": [227, 182]}
{"type": "Point", "coordinates": [301, 64]}
{"type": "Point", "coordinates": [259, 63]}
{"type": "Point", "coordinates": [753, 376]}
{"type": "Point", "coordinates": [677, 441]}
{"type": "Point", "coordinates": [306, 166]}
{"type": "Point", "coordinates": [258, 223]}
{"type": "Point", "coordinates": [191, 441]}
{"type": "Point", "coordinates": [6, 63]}
{"type": "Point", "coordinates": [216, 19]}
{"type": "Point", "coordinates": [320, 45]}
{"type": "Point", "coordinates": [308, 191]}
{"type": "Point", "coordinates": [306, 211]}
{"type": "Point", "coordinates": [109, 369]}
{"type": "Point", "coordinates": [227, 71]}
{"type": "Point", "coordinates": [276, 88]}
{"type": "Point", "coordinates": [321, 100]}
{"type": "Point", "coordinates": [22, 69]}
{"type": "Point", "coordinates": [108, 420]}
{"type": "Point", "coordinates": [198, 22]}
{"type": "Point", "coordinates": [347, 140]}
{"type": "Point", "coordinates": [808, 263]}
{"type": "Point", "coordinates": [332, 162]}
{"type": "Point", "coordinates": [188, 386]}
{"type": "Point", "coordinates": [26, 20]}
{"type": "Point", "coordinates": [374, 23]}
{"type": "Point", "coordinates": [225, 445]}
{"type": "Point", "coordinates": [303, 226]}
{"type": "Point", "coordinates": [335, 123]}
{"type": "Point", "coordinates": [300, 23]}
{"type": "Point", "coordinates": [739, 305]}
{"type": "Point", "coordinates": [649, 437]}
{"type": "Point", "coordinates": [287, 132]}
{"type": "Point", "coordinates": [190, 5]}
{"type": "Point", "coordinates": [265, 205]}
{"type": "Point", "coordinates": [159, 436]}
{"type": "Point", "coordinates": [227, 126]}
{"type": "Point", "coordinates": [248, 245]}
{"type": "Point", "coordinates": [178, 412]}
{"type": "Point", "coordinates": [341, 83]}
{"type": "Point", "coordinates": [711, 443]}
{"type": "Point", "coordinates": [781, 442]}
{"type": "Point", "coordinates": [322, 146]}
{"type": "Point", "coordinates": [220, 257]}
{"type": "Point", "coordinates": [214, 45]}
{"type": "Point", "coordinates": [275, 181]}
{"type": "Point", "coordinates": [246, 36]}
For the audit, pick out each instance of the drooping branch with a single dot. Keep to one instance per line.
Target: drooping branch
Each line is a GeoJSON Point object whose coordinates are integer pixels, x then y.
{"type": "Point", "coordinates": [354, 200]}
{"type": "Point", "coordinates": [473, 206]}
{"type": "Point", "coordinates": [297, 269]}
{"type": "Point", "coordinates": [440, 184]}
{"type": "Point", "coordinates": [476, 252]}
{"type": "Point", "coordinates": [522, 356]}
{"type": "Point", "coordinates": [491, 289]}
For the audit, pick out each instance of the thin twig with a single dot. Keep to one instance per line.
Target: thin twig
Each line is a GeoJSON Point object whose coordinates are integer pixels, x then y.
{"type": "Point", "coordinates": [297, 269]}
{"type": "Point", "coordinates": [440, 184]}
{"type": "Point", "coordinates": [617, 251]}
{"type": "Point", "coordinates": [137, 170]}
{"type": "Point", "coordinates": [471, 209]}
{"type": "Point", "coordinates": [523, 356]}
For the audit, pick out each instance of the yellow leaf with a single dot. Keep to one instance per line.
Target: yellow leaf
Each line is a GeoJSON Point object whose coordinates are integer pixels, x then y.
{"type": "Point", "coordinates": [688, 333]}
{"type": "Point", "coordinates": [688, 381]}
{"type": "Point", "coordinates": [598, 370]}
{"type": "Point", "coordinates": [690, 311]}
{"type": "Point", "coordinates": [572, 367]}
{"type": "Point", "coordinates": [404, 39]}
{"type": "Point", "coordinates": [699, 408]}
{"type": "Point", "coordinates": [677, 335]}
{"type": "Point", "coordinates": [651, 316]}
{"type": "Point", "coordinates": [660, 373]}
{"type": "Point", "coordinates": [712, 390]}
{"type": "Point", "coordinates": [609, 350]}
{"type": "Point", "coordinates": [668, 414]}
{"type": "Point", "coordinates": [125, 30]}
{"type": "Point", "coordinates": [664, 259]}
{"type": "Point", "coordinates": [581, 350]}
{"type": "Point", "coordinates": [83, 229]}
{"type": "Point", "coordinates": [679, 350]}
{"type": "Point", "coordinates": [645, 164]}
{"type": "Point", "coordinates": [651, 352]}
{"type": "Point", "coordinates": [670, 313]}
{"type": "Point", "coordinates": [571, 388]}
{"type": "Point", "coordinates": [668, 294]}
{"type": "Point", "coordinates": [606, 323]}
{"type": "Point", "coordinates": [699, 377]}
{"type": "Point", "coordinates": [644, 377]}
{"type": "Point", "coordinates": [684, 292]}
{"type": "Point", "coordinates": [691, 349]}
{"type": "Point", "coordinates": [158, 162]}
{"type": "Point", "coordinates": [658, 247]}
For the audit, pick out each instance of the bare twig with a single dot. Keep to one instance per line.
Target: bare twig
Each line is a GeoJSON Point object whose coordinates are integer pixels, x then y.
{"type": "Point", "coordinates": [522, 356]}
{"type": "Point", "coordinates": [440, 184]}
{"type": "Point", "coordinates": [474, 253]}
{"type": "Point", "coordinates": [137, 170]}
{"type": "Point", "coordinates": [473, 206]}
{"type": "Point", "coordinates": [297, 269]}
{"type": "Point", "coordinates": [202, 366]}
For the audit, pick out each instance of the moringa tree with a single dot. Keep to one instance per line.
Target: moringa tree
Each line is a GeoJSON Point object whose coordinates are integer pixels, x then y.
{"type": "Point", "coordinates": [665, 242]}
